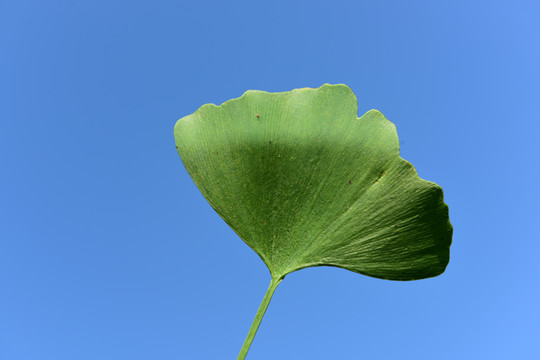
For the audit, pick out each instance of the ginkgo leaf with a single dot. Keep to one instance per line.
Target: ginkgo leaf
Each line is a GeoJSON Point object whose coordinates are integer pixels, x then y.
{"type": "Point", "coordinates": [305, 182]}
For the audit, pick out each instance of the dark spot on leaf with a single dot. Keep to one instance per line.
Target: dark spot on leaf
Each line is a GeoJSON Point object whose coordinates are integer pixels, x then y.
{"type": "Point", "coordinates": [350, 182]}
{"type": "Point", "coordinates": [270, 142]}
{"type": "Point", "coordinates": [380, 176]}
{"type": "Point", "coordinates": [177, 146]}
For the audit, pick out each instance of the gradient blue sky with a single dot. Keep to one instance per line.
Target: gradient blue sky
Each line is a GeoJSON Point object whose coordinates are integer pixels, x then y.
{"type": "Point", "coordinates": [108, 251]}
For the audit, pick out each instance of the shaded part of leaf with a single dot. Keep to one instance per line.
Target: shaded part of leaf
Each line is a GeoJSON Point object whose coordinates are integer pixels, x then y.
{"type": "Point", "coordinates": [403, 234]}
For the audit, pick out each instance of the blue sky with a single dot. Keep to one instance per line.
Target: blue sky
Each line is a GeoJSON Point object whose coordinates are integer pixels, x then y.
{"type": "Point", "coordinates": [108, 250]}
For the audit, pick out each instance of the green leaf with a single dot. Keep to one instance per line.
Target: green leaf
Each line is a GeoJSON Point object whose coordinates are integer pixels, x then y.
{"type": "Point", "coordinates": [305, 182]}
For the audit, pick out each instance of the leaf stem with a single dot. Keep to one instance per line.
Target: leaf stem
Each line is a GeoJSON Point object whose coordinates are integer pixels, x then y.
{"type": "Point", "coordinates": [260, 313]}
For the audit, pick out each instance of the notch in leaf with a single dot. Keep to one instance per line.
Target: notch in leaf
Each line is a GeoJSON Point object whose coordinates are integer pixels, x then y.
{"type": "Point", "coordinates": [305, 182]}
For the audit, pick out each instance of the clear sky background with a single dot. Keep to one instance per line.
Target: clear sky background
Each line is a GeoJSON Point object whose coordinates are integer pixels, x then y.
{"type": "Point", "coordinates": [108, 251]}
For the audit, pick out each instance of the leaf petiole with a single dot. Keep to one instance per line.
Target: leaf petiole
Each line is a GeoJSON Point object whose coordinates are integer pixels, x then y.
{"type": "Point", "coordinates": [258, 317]}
